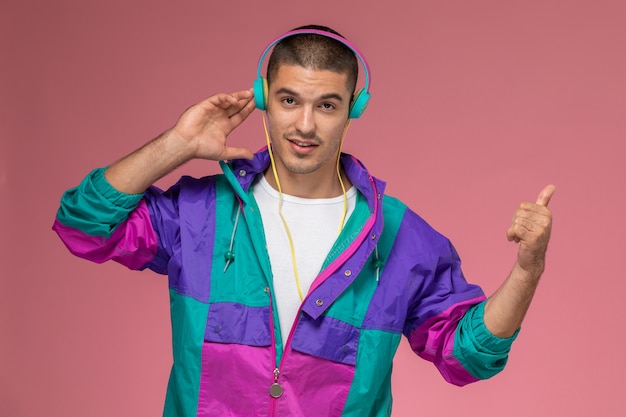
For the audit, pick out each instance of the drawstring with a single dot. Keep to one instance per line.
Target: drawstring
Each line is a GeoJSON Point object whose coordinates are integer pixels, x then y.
{"type": "Point", "coordinates": [378, 263]}
{"type": "Point", "coordinates": [229, 256]}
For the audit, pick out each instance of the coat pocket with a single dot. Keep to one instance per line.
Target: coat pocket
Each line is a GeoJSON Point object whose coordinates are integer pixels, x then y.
{"type": "Point", "coordinates": [327, 337]}
{"type": "Point", "coordinates": [238, 323]}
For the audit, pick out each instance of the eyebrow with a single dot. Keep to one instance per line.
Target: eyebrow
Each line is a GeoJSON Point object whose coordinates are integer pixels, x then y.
{"type": "Point", "coordinates": [285, 90]}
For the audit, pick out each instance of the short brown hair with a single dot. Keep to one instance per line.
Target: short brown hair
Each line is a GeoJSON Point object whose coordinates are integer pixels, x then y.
{"type": "Point", "coordinates": [314, 51]}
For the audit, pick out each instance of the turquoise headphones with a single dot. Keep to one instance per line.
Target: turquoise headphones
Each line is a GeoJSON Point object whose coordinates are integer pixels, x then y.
{"type": "Point", "coordinates": [361, 97]}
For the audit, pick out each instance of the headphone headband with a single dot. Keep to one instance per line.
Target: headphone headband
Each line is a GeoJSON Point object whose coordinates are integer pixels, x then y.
{"type": "Point", "coordinates": [361, 97]}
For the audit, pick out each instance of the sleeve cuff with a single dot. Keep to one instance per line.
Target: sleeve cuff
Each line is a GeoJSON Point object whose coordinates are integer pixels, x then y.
{"type": "Point", "coordinates": [95, 207]}
{"type": "Point", "coordinates": [480, 352]}
{"type": "Point", "coordinates": [103, 187]}
{"type": "Point", "coordinates": [475, 321]}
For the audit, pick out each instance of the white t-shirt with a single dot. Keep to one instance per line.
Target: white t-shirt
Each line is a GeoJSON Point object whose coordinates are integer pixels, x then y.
{"type": "Point", "coordinates": [314, 226]}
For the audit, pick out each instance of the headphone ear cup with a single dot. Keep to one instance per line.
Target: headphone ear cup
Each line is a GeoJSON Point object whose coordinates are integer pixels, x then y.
{"type": "Point", "coordinates": [260, 93]}
{"type": "Point", "coordinates": [359, 103]}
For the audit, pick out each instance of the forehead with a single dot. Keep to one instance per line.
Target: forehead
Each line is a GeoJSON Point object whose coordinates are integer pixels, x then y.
{"type": "Point", "coordinates": [310, 81]}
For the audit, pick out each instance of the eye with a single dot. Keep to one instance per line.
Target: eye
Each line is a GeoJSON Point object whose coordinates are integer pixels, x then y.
{"type": "Point", "coordinates": [327, 106]}
{"type": "Point", "coordinates": [289, 101]}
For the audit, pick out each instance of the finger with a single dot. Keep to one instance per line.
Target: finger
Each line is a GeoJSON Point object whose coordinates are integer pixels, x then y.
{"type": "Point", "coordinates": [545, 195]}
{"type": "Point", "coordinates": [237, 153]}
{"type": "Point", "coordinates": [523, 222]}
{"type": "Point", "coordinates": [239, 98]}
{"type": "Point", "coordinates": [242, 114]}
{"type": "Point", "coordinates": [529, 229]}
{"type": "Point", "coordinates": [534, 213]}
{"type": "Point", "coordinates": [517, 232]}
{"type": "Point", "coordinates": [241, 108]}
{"type": "Point", "coordinates": [221, 100]}
{"type": "Point", "coordinates": [511, 235]}
{"type": "Point", "coordinates": [243, 94]}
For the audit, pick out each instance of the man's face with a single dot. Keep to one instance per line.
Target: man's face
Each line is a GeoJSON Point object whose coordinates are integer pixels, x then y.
{"type": "Point", "coordinates": [307, 113]}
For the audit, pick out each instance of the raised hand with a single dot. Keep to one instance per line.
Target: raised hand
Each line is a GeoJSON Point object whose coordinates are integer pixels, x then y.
{"type": "Point", "coordinates": [531, 227]}
{"type": "Point", "coordinates": [207, 124]}
{"type": "Point", "coordinates": [200, 132]}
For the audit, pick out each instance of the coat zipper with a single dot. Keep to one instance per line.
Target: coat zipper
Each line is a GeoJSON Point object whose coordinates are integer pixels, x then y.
{"type": "Point", "coordinates": [276, 389]}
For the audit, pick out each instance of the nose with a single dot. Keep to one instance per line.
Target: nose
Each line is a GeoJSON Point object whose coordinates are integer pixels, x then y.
{"type": "Point", "coordinates": [305, 122]}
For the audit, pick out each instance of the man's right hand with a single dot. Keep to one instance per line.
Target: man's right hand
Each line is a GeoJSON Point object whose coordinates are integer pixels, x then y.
{"type": "Point", "coordinates": [200, 132]}
{"type": "Point", "coordinates": [207, 124]}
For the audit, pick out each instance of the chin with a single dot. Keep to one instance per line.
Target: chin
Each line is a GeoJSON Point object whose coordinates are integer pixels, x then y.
{"type": "Point", "coordinates": [301, 169]}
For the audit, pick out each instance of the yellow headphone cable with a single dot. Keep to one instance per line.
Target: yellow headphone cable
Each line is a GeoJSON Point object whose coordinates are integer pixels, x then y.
{"type": "Point", "coordinates": [280, 198]}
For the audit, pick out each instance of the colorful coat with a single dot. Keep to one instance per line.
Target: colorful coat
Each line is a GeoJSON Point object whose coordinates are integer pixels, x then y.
{"type": "Point", "coordinates": [389, 273]}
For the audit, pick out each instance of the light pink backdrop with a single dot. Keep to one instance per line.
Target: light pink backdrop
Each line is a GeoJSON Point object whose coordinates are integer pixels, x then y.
{"type": "Point", "coordinates": [476, 105]}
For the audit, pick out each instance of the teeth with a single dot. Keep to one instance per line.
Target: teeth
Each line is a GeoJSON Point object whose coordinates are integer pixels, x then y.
{"type": "Point", "coordinates": [304, 145]}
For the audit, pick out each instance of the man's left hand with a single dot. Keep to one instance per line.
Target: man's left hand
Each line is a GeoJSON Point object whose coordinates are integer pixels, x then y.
{"type": "Point", "coordinates": [531, 227]}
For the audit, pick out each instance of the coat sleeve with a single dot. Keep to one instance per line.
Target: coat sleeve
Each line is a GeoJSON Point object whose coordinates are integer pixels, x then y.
{"type": "Point", "coordinates": [98, 223]}
{"type": "Point", "coordinates": [445, 317]}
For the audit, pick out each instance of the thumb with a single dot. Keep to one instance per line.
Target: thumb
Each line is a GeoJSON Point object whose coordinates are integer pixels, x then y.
{"type": "Point", "coordinates": [237, 153]}
{"type": "Point", "coordinates": [545, 195]}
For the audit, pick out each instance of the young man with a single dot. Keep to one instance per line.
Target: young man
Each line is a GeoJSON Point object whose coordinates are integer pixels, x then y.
{"type": "Point", "coordinates": [292, 276]}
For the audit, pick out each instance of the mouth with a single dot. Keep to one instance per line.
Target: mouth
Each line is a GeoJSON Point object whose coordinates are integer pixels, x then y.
{"type": "Point", "coordinates": [302, 146]}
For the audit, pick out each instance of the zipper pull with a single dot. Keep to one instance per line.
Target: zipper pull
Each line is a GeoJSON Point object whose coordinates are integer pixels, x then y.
{"type": "Point", "coordinates": [276, 390]}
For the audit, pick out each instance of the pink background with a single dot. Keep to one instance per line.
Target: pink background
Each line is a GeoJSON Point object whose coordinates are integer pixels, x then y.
{"type": "Point", "coordinates": [476, 105]}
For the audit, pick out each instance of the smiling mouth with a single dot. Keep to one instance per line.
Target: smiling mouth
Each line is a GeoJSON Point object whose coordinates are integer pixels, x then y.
{"type": "Point", "coordinates": [302, 144]}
